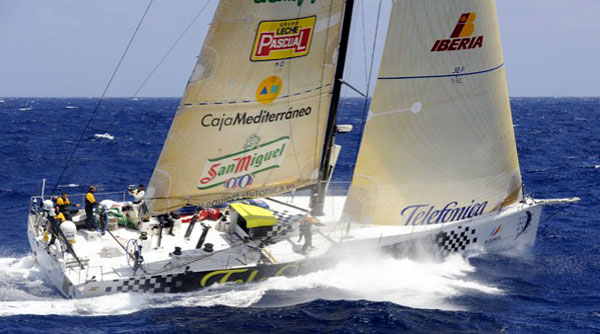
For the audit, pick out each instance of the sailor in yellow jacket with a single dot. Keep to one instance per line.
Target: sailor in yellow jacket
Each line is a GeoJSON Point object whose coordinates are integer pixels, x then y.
{"type": "Point", "coordinates": [54, 224]}
{"type": "Point", "coordinates": [90, 203]}
{"type": "Point", "coordinates": [64, 204]}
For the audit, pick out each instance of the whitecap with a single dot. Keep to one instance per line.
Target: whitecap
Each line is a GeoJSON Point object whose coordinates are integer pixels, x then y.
{"type": "Point", "coordinates": [412, 283]}
{"type": "Point", "coordinates": [105, 135]}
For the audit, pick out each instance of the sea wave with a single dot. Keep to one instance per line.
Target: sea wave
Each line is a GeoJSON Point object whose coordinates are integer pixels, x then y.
{"type": "Point", "coordinates": [429, 285]}
{"type": "Point", "coordinates": [105, 135]}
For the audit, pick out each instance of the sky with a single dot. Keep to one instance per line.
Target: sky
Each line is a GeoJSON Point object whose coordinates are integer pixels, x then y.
{"type": "Point", "coordinates": [69, 48]}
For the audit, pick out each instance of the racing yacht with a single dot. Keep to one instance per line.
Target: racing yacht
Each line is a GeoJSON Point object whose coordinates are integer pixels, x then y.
{"type": "Point", "coordinates": [240, 190]}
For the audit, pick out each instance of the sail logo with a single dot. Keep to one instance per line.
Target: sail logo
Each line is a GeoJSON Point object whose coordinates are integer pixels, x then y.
{"type": "Point", "coordinates": [248, 118]}
{"type": "Point", "coordinates": [425, 214]}
{"type": "Point", "coordinates": [283, 39]}
{"type": "Point", "coordinates": [268, 90]}
{"type": "Point", "coordinates": [237, 170]}
{"type": "Point", "coordinates": [461, 37]}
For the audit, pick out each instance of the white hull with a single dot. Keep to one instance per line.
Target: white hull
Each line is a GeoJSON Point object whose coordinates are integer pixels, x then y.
{"type": "Point", "coordinates": [106, 270]}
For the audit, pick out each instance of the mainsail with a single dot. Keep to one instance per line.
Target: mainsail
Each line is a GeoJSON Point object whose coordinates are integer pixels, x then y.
{"type": "Point", "coordinates": [252, 119]}
{"type": "Point", "coordinates": [439, 143]}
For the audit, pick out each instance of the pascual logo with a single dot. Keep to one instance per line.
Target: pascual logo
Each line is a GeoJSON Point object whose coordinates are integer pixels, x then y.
{"type": "Point", "coordinates": [283, 39]}
{"type": "Point", "coordinates": [237, 170]}
{"type": "Point", "coordinates": [268, 90]}
{"type": "Point", "coordinates": [423, 214]}
{"type": "Point", "coordinates": [461, 38]}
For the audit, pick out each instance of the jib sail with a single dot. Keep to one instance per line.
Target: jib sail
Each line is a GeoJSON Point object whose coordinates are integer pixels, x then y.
{"type": "Point", "coordinates": [439, 144]}
{"type": "Point", "coordinates": [251, 121]}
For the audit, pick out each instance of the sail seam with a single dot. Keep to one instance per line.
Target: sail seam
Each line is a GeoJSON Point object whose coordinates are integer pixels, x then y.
{"type": "Point", "coordinates": [443, 75]}
{"type": "Point", "coordinates": [249, 101]}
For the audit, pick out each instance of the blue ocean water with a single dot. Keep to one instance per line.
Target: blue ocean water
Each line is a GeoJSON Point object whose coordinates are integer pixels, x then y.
{"type": "Point", "coordinates": [550, 288]}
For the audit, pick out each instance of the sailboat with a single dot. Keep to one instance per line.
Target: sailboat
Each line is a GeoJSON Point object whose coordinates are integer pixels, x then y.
{"type": "Point", "coordinates": [248, 159]}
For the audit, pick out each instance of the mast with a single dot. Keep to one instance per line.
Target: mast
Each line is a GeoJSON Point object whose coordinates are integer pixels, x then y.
{"type": "Point", "coordinates": [318, 194]}
{"type": "Point", "coordinates": [260, 94]}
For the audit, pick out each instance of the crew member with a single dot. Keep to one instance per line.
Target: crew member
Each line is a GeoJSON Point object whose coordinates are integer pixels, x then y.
{"type": "Point", "coordinates": [54, 224]}
{"type": "Point", "coordinates": [305, 231]}
{"type": "Point", "coordinates": [64, 204]}
{"type": "Point", "coordinates": [138, 194]}
{"type": "Point", "coordinates": [166, 220]}
{"type": "Point", "coordinates": [59, 217]}
{"type": "Point", "coordinates": [90, 203]}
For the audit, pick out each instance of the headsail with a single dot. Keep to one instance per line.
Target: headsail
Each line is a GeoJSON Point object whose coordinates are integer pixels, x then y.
{"type": "Point", "coordinates": [439, 143]}
{"type": "Point", "coordinates": [251, 122]}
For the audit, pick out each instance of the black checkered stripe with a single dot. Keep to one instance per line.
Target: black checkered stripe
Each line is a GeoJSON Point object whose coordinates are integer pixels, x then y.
{"type": "Point", "coordinates": [455, 240]}
{"type": "Point", "coordinates": [189, 280]}
{"type": "Point", "coordinates": [285, 217]}
{"type": "Point", "coordinates": [157, 284]}
{"type": "Point", "coordinates": [279, 229]}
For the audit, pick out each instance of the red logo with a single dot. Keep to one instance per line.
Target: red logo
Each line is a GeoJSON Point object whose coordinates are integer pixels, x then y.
{"type": "Point", "coordinates": [460, 39]}
{"type": "Point", "coordinates": [283, 39]}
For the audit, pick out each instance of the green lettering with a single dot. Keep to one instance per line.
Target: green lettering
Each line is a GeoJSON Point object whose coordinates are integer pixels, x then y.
{"type": "Point", "coordinates": [226, 274]}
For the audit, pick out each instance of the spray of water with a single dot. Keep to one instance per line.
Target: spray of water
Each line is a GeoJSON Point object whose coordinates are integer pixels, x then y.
{"type": "Point", "coordinates": [420, 284]}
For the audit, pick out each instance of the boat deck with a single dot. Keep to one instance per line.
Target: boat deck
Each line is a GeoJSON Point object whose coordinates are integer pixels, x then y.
{"type": "Point", "coordinates": [105, 256]}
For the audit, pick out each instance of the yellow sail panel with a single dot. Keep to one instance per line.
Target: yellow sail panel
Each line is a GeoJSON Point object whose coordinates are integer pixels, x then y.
{"type": "Point", "coordinates": [439, 144]}
{"type": "Point", "coordinates": [252, 119]}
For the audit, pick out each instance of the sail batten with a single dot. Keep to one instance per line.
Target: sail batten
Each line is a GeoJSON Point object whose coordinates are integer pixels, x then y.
{"type": "Point", "coordinates": [251, 122]}
{"type": "Point", "coordinates": [439, 143]}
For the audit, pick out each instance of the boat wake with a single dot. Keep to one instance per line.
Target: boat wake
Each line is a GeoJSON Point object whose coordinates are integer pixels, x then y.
{"type": "Point", "coordinates": [24, 289]}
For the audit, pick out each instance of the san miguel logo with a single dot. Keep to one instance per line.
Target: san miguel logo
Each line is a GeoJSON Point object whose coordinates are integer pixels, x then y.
{"type": "Point", "coordinates": [461, 38]}
{"type": "Point", "coordinates": [283, 39]}
{"type": "Point", "coordinates": [237, 170]}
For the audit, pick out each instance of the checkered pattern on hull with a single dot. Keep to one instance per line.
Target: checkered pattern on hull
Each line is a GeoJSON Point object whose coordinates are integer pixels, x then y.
{"type": "Point", "coordinates": [279, 230]}
{"type": "Point", "coordinates": [157, 284]}
{"type": "Point", "coordinates": [190, 280]}
{"type": "Point", "coordinates": [287, 222]}
{"type": "Point", "coordinates": [455, 240]}
{"type": "Point", "coordinates": [285, 218]}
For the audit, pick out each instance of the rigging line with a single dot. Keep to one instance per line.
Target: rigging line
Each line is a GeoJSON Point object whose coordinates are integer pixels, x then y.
{"type": "Point", "coordinates": [364, 38]}
{"type": "Point", "coordinates": [164, 57]}
{"type": "Point", "coordinates": [353, 88]}
{"type": "Point", "coordinates": [318, 143]}
{"type": "Point", "coordinates": [103, 94]}
{"type": "Point", "coordinates": [189, 26]}
{"type": "Point", "coordinates": [366, 101]}
{"type": "Point", "coordinates": [556, 213]}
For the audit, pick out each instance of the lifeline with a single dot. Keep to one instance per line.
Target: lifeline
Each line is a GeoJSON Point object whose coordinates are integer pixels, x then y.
{"type": "Point", "coordinates": [243, 119]}
{"type": "Point", "coordinates": [420, 215]}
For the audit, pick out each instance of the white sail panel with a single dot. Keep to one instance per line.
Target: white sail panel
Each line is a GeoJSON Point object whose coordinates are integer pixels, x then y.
{"type": "Point", "coordinates": [439, 142]}
{"type": "Point", "coordinates": [251, 122]}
